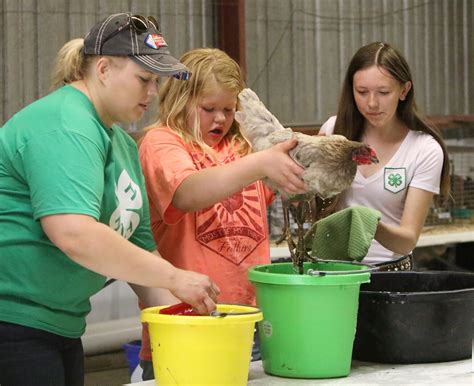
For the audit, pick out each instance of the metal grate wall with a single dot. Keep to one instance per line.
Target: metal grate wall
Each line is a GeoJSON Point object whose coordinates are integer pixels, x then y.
{"type": "Point", "coordinates": [33, 31]}
{"type": "Point", "coordinates": [298, 51]}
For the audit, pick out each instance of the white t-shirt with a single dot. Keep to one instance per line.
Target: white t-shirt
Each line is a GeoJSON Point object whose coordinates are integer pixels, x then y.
{"type": "Point", "coordinates": [417, 163]}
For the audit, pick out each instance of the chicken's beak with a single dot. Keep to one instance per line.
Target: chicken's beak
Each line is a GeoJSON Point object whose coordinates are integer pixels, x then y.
{"type": "Point", "coordinates": [372, 156]}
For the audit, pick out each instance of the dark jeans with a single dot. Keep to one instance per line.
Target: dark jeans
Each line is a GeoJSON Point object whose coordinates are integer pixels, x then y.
{"type": "Point", "coordinates": [32, 357]}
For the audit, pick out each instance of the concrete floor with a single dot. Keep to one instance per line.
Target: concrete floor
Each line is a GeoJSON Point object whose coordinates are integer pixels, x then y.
{"type": "Point", "coordinates": [107, 378]}
{"type": "Point", "coordinates": [109, 369]}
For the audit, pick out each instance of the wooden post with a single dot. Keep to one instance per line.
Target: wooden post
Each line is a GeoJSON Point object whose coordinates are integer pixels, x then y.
{"type": "Point", "coordinates": [231, 30]}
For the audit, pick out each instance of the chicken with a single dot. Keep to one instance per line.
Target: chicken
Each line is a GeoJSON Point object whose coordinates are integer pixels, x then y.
{"type": "Point", "coordinates": [330, 164]}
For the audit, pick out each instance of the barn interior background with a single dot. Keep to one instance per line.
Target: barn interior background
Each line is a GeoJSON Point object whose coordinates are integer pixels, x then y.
{"type": "Point", "coordinates": [294, 54]}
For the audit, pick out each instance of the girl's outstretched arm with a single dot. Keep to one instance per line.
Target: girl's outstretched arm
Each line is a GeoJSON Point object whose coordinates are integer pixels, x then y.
{"type": "Point", "coordinates": [211, 185]}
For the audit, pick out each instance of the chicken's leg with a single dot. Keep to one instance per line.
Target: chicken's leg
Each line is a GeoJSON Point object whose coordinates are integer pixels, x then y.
{"type": "Point", "coordinates": [301, 212]}
{"type": "Point", "coordinates": [286, 231]}
{"type": "Point", "coordinates": [300, 215]}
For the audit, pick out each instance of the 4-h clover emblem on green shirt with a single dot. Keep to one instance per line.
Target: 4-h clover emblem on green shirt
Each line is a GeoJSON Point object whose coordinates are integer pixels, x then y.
{"type": "Point", "coordinates": [394, 179]}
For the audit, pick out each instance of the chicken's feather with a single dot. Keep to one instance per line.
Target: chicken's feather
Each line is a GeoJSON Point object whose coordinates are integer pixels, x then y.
{"type": "Point", "coordinates": [328, 161]}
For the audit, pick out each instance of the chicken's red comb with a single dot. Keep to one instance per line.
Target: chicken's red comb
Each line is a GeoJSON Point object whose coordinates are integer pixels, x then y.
{"type": "Point", "coordinates": [364, 155]}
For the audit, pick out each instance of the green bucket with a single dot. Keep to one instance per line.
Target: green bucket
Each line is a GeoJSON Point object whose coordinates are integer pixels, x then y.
{"type": "Point", "coordinates": [309, 320]}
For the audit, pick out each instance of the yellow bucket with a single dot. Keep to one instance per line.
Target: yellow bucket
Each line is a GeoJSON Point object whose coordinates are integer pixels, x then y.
{"type": "Point", "coordinates": [202, 350]}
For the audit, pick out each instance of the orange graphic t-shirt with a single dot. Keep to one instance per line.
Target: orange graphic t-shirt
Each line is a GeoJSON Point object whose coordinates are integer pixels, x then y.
{"type": "Point", "coordinates": [221, 241]}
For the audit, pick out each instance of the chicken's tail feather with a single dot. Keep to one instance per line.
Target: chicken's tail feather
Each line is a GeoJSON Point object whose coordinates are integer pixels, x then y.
{"type": "Point", "coordinates": [254, 118]}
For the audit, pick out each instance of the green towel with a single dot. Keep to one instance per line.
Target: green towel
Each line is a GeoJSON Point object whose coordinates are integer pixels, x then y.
{"type": "Point", "coordinates": [344, 235]}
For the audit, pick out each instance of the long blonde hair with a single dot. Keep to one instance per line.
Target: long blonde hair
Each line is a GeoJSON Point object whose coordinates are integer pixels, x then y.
{"type": "Point", "coordinates": [178, 99]}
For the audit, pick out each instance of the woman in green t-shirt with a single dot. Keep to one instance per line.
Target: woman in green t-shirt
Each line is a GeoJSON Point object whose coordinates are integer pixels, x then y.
{"type": "Point", "coordinates": [73, 205]}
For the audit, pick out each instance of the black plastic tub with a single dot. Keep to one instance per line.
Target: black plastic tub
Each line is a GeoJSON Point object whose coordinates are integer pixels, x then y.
{"type": "Point", "coordinates": [415, 317]}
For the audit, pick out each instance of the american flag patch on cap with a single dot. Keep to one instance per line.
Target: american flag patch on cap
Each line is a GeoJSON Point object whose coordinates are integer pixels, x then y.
{"type": "Point", "coordinates": [155, 41]}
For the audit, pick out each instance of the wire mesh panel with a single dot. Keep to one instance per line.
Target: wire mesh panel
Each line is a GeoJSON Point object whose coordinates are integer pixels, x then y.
{"type": "Point", "coordinates": [459, 209]}
{"type": "Point", "coordinates": [461, 152]}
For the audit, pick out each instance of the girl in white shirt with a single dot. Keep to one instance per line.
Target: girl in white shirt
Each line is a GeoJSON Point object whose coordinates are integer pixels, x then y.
{"type": "Point", "coordinates": [377, 107]}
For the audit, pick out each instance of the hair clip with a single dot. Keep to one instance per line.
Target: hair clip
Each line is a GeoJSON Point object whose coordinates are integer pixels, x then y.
{"type": "Point", "coordinates": [183, 75]}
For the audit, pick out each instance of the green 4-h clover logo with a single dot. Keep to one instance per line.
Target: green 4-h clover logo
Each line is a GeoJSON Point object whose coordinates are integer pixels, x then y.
{"type": "Point", "coordinates": [394, 179]}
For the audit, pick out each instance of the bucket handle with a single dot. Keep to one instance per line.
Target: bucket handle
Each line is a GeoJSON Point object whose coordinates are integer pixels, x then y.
{"type": "Point", "coordinates": [315, 272]}
{"type": "Point", "coordinates": [219, 314]}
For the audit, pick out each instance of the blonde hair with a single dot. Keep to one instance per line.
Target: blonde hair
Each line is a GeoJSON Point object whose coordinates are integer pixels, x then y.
{"type": "Point", "coordinates": [70, 64]}
{"type": "Point", "coordinates": [178, 99]}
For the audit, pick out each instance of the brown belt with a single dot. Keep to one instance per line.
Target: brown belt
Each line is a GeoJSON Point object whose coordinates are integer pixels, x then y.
{"type": "Point", "coordinates": [404, 263]}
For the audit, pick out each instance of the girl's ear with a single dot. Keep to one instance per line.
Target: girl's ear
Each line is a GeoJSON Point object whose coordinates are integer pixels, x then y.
{"type": "Point", "coordinates": [405, 89]}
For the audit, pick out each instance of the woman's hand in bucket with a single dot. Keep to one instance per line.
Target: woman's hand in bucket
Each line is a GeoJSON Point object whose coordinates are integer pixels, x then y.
{"type": "Point", "coordinates": [197, 290]}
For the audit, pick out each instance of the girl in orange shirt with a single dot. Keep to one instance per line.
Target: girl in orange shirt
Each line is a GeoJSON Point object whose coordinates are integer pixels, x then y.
{"type": "Point", "coordinates": [208, 206]}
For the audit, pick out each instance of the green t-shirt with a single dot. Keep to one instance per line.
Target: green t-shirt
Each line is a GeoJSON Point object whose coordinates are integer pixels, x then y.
{"type": "Point", "coordinates": [57, 157]}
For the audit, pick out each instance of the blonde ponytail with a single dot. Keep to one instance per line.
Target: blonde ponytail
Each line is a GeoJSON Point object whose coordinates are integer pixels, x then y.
{"type": "Point", "coordinates": [70, 64]}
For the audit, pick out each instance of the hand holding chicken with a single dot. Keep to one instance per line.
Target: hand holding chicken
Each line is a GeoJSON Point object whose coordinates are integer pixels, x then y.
{"type": "Point", "coordinates": [330, 162]}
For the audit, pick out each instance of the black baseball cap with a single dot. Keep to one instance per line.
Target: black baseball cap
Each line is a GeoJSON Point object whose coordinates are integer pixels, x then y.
{"type": "Point", "coordinates": [139, 38]}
